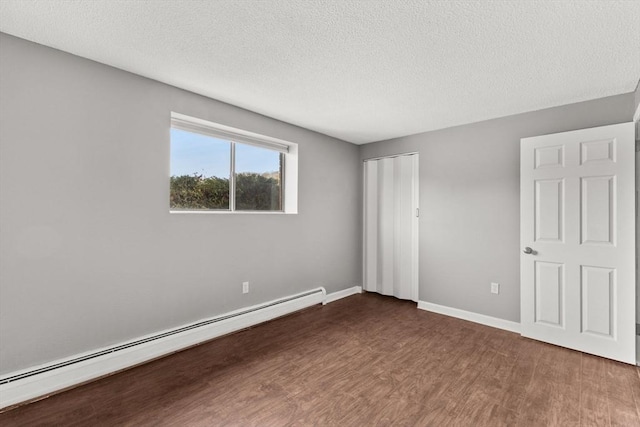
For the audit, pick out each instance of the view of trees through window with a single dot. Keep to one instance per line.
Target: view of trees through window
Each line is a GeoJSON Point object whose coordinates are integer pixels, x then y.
{"type": "Point", "coordinates": [201, 174]}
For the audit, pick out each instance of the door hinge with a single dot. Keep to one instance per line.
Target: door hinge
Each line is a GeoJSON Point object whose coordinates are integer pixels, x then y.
{"type": "Point", "coordinates": [418, 212]}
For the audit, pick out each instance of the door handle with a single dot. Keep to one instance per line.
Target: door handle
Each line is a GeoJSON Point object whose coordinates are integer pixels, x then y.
{"type": "Point", "coordinates": [528, 250]}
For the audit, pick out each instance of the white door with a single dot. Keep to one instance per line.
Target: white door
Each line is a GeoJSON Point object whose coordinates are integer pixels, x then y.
{"type": "Point", "coordinates": [577, 194]}
{"type": "Point", "coordinates": [391, 226]}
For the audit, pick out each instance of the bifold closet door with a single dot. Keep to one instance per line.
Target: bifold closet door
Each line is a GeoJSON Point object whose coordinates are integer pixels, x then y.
{"type": "Point", "coordinates": [391, 226]}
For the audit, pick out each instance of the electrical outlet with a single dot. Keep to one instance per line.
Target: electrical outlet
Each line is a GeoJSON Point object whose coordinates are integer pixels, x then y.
{"type": "Point", "coordinates": [495, 288]}
{"type": "Point", "coordinates": [245, 287]}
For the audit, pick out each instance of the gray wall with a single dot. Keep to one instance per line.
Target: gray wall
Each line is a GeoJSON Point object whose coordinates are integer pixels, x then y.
{"type": "Point", "coordinates": [90, 254]}
{"type": "Point", "coordinates": [470, 201]}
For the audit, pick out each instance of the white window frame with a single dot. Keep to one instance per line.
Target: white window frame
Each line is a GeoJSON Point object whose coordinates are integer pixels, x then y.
{"type": "Point", "coordinates": [289, 180]}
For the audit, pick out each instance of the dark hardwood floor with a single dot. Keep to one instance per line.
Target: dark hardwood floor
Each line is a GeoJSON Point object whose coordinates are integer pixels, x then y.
{"type": "Point", "coordinates": [366, 360]}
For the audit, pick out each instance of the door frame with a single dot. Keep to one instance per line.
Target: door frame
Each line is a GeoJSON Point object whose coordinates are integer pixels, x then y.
{"type": "Point", "coordinates": [636, 120]}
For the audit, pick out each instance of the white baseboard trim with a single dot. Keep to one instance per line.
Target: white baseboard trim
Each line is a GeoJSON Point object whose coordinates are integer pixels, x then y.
{"type": "Point", "coordinates": [51, 381]}
{"type": "Point", "coordinates": [494, 322]}
{"type": "Point", "coordinates": [334, 296]}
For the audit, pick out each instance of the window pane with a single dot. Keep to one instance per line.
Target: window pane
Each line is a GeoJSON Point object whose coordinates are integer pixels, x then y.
{"type": "Point", "coordinates": [258, 179]}
{"type": "Point", "coordinates": [200, 171]}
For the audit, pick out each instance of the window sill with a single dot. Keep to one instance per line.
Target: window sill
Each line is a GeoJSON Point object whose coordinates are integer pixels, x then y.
{"type": "Point", "coordinates": [203, 212]}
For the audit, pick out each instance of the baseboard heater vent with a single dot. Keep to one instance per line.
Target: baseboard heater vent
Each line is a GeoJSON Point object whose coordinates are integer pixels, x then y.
{"type": "Point", "coordinates": [319, 292]}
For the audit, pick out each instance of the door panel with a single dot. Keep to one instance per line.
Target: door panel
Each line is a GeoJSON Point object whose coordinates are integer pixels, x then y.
{"type": "Point", "coordinates": [597, 151]}
{"type": "Point", "coordinates": [385, 256]}
{"type": "Point", "coordinates": [578, 218]}
{"type": "Point", "coordinates": [598, 297]}
{"type": "Point", "coordinates": [549, 210]}
{"type": "Point", "coordinates": [549, 157]}
{"type": "Point", "coordinates": [549, 283]}
{"type": "Point", "coordinates": [403, 222]}
{"type": "Point", "coordinates": [597, 213]}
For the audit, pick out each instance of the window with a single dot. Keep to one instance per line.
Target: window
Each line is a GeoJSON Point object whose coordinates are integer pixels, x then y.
{"type": "Point", "coordinates": [215, 168]}
{"type": "Point", "coordinates": [258, 174]}
{"type": "Point", "coordinates": [200, 171]}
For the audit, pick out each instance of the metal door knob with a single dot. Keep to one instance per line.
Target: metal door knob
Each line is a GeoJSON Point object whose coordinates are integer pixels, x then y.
{"type": "Point", "coordinates": [528, 250]}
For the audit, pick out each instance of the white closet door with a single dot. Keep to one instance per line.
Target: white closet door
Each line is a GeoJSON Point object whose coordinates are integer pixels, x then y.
{"type": "Point", "coordinates": [391, 226]}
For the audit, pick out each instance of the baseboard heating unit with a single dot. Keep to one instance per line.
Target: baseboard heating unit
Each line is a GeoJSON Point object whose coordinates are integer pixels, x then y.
{"type": "Point", "coordinates": [40, 381]}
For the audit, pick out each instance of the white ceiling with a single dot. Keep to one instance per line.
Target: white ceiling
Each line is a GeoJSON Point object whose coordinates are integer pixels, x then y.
{"type": "Point", "coordinates": [361, 71]}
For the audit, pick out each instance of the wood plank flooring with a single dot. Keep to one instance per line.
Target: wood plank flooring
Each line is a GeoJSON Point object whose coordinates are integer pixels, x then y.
{"type": "Point", "coordinates": [366, 360]}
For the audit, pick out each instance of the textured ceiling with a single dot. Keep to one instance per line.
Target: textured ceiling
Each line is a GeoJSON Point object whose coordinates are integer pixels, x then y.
{"type": "Point", "coordinates": [361, 71]}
